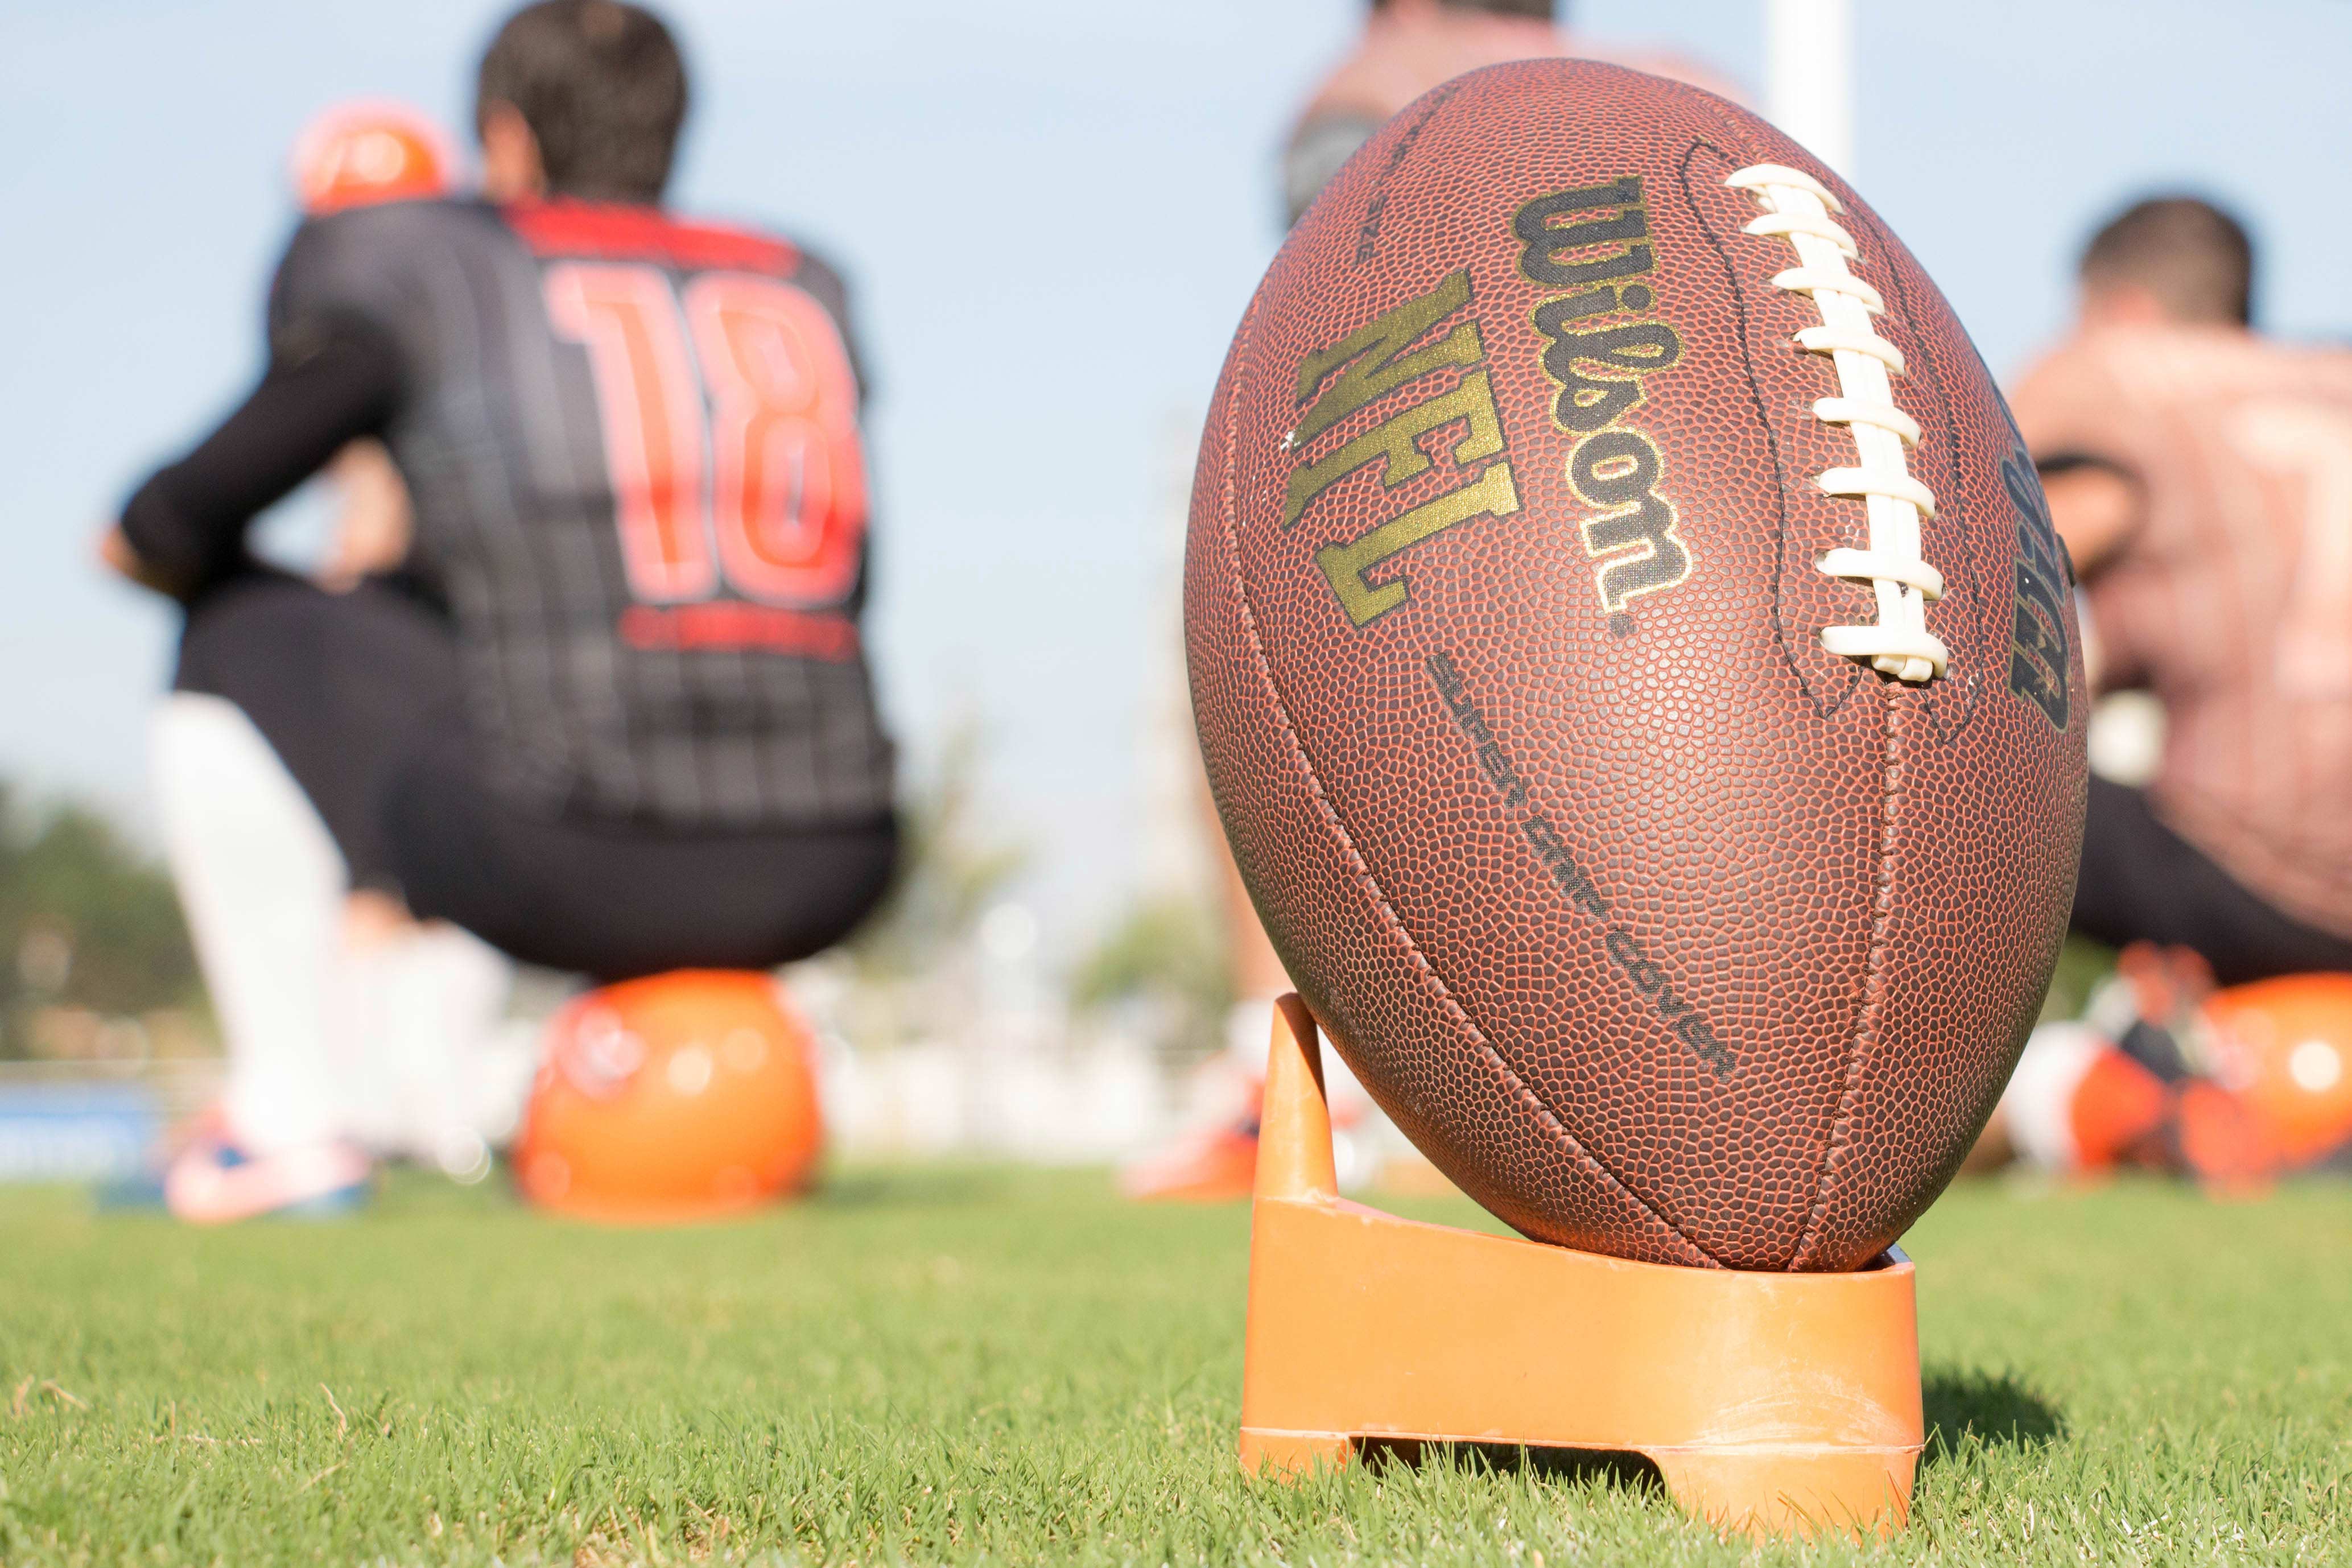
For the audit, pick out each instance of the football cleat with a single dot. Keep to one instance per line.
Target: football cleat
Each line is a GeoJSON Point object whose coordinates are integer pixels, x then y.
{"type": "Point", "coordinates": [218, 1183]}
{"type": "Point", "coordinates": [1211, 1164]}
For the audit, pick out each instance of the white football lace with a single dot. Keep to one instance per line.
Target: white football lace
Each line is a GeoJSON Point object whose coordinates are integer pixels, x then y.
{"type": "Point", "coordinates": [1799, 207]}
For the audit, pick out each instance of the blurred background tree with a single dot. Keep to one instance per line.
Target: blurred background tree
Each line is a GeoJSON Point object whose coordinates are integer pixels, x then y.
{"type": "Point", "coordinates": [88, 922]}
{"type": "Point", "coordinates": [910, 968]}
{"type": "Point", "coordinates": [953, 864]}
{"type": "Point", "coordinates": [1165, 964]}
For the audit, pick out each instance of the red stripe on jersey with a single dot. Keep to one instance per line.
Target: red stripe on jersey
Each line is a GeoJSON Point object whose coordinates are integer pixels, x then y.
{"type": "Point", "coordinates": [726, 623]}
{"type": "Point", "coordinates": [613, 232]}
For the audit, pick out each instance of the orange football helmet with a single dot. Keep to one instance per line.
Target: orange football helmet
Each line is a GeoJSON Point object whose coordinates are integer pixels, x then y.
{"type": "Point", "coordinates": [684, 1096]}
{"type": "Point", "coordinates": [2286, 1045]}
{"type": "Point", "coordinates": [360, 154]}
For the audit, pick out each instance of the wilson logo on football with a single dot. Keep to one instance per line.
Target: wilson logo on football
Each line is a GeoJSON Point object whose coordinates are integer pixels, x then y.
{"type": "Point", "coordinates": [1597, 357]}
{"type": "Point", "coordinates": [2038, 657]}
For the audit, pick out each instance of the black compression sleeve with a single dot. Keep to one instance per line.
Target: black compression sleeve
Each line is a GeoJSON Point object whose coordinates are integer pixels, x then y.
{"type": "Point", "coordinates": [342, 381]}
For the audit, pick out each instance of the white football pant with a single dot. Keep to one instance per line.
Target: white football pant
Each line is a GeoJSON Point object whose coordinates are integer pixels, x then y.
{"type": "Point", "coordinates": [396, 1044]}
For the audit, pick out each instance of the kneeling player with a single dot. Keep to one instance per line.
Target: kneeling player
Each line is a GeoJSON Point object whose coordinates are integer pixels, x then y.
{"type": "Point", "coordinates": [2202, 477]}
{"type": "Point", "coordinates": [612, 714]}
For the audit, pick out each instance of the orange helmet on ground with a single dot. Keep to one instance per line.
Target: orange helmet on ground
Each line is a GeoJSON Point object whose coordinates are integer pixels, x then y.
{"type": "Point", "coordinates": [2286, 1045]}
{"type": "Point", "coordinates": [360, 154]}
{"type": "Point", "coordinates": [684, 1096]}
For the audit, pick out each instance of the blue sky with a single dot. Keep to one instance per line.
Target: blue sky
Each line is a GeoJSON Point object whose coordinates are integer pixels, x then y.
{"type": "Point", "coordinates": [1054, 211]}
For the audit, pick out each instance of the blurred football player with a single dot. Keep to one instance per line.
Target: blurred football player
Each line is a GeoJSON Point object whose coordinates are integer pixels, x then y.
{"type": "Point", "coordinates": [2202, 477]}
{"type": "Point", "coordinates": [1409, 46]}
{"type": "Point", "coordinates": [612, 714]}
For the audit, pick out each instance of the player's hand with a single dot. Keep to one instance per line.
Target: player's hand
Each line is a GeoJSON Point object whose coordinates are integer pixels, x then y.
{"type": "Point", "coordinates": [374, 527]}
{"type": "Point", "coordinates": [115, 550]}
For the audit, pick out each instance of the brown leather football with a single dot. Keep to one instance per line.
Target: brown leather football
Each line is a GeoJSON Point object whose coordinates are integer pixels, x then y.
{"type": "Point", "coordinates": [1637, 672]}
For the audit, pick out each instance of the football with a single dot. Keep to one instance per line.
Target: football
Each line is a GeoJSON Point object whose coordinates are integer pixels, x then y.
{"type": "Point", "coordinates": [1636, 671]}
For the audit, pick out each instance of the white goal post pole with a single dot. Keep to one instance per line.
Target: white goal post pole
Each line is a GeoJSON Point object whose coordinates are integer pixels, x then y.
{"type": "Point", "coordinates": [1809, 59]}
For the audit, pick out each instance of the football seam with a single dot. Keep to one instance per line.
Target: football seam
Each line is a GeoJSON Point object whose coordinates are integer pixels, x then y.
{"type": "Point", "coordinates": [1839, 1140]}
{"type": "Point", "coordinates": [1677, 1239]}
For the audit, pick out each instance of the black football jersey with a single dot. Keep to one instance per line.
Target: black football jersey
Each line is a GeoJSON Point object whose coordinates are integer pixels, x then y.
{"type": "Point", "coordinates": [632, 448]}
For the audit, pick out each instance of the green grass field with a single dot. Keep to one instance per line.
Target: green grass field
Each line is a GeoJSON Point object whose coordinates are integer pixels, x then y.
{"type": "Point", "coordinates": [948, 1364]}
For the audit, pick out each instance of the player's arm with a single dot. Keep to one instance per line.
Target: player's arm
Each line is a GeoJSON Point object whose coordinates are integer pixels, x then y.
{"type": "Point", "coordinates": [2065, 408]}
{"type": "Point", "coordinates": [2096, 504]}
{"type": "Point", "coordinates": [337, 379]}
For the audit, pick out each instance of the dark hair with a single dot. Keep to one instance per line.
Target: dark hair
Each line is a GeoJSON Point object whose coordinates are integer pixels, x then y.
{"type": "Point", "coordinates": [2192, 255]}
{"type": "Point", "coordinates": [602, 86]}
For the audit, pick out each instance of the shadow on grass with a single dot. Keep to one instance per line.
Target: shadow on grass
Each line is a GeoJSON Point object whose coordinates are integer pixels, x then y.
{"type": "Point", "coordinates": [1989, 1409]}
{"type": "Point", "coordinates": [1567, 1467]}
{"type": "Point", "coordinates": [1985, 1409]}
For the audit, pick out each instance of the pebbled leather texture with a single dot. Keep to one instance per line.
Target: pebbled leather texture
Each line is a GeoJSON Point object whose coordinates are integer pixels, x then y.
{"type": "Point", "coordinates": [1662, 930]}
